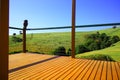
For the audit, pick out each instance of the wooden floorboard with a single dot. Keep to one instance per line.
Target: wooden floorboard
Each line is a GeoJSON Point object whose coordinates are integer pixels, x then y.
{"type": "Point", "coordinates": [18, 60]}
{"type": "Point", "coordinates": [61, 68]}
{"type": "Point", "coordinates": [118, 69]}
{"type": "Point", "coordinates": [92, 77]}
{"type": "Point", "coordinates": [84, 71]}
{"type": "Point", "coordinates": [114, 71]}
{"type": "Point", "coordinates": [109, 71]}
{"type": "Point", "coordinates": [75, 70]}
{"type": "Point", "coordinates": [88, 73]}
{"type": "Point", "coordinates": [99, 71]}
{"type": "Point", "coordinates": [104, 71]}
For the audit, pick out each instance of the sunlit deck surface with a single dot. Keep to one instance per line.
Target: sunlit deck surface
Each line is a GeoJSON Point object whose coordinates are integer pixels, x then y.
{"type": "Point", "coordinates": [46, 67]}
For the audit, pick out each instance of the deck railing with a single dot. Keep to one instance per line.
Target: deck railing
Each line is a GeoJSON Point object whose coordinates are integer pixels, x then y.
{"type": "Point", "coordinates": [67, 27]}
{"type": "Point", "coordinates": [64, 27]}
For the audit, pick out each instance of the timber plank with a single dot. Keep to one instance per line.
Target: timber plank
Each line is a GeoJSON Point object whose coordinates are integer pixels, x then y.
{"type": "Point", "coordinates": [88, 73]}
{"type": "Point", "coordinates": [23, 59]}
{"type": "Point", "coordinates": [73, 72]}
{"type": "Point", "coordinates": [18, 72]}
{"type": "Point", "coordinates": [80, 77]}
{"type": "Point", "coordinates": [104, 71]}
{"type": "Point", "coordinates": [60, 69]}
{"type": "Point", "coordinates": [109, 71]}
{"type": "Point", "coordinates": [98, 74]}
{"type": "Point", "coordinates": [67, 72]}
{"type": "Point", "coordinates": [117, 65]}
{"type": "Point", "coordinates": [36, 68]}
{"type": "Point", "coordinates": [114, 72]}
{"type": "Point", "coordinates": [93, 74]}
{"type": "Point", "coordinates": [80, 70]}
{"type": "Point", "coordinates": [47, 70]}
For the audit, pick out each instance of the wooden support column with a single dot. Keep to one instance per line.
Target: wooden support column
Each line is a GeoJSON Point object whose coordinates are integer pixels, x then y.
{"type": "Point", "coordinates": [25, 24]}
{"type": "Point", "coordinates": [24, 40]}
{"type": "Point", "coordinates": [73, 28]}
{"type": "Point", "coordinates": [4, 24]}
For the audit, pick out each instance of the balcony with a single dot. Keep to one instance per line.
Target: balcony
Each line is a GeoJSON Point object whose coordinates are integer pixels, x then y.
{"type": "Point", "coordinates": [32, 66]}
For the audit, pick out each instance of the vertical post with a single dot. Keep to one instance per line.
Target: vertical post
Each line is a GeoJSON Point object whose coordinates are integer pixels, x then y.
{"type": "Point", "coordinates": [4, 24]}
{"type": "Point", "coordinates": [73, 28]}
{"type": "Point", "coordinates": [25, 24]}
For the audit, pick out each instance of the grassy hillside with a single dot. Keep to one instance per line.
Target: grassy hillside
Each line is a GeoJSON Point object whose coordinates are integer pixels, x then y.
{"type": "Point", "coordinates": [111, 31]}
{"type": "Point", "coordinates": [113, 51]}
{"type": "Point", "coordinates": [47, 42]}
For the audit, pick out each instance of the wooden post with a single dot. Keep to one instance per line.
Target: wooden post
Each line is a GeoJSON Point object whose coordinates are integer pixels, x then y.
{"type": "Point", "coordinates": [4, 24]}
{"type": "Point", "coordinates": [73, 28]}
{"type": "Point", "coordinates": [25, 24]}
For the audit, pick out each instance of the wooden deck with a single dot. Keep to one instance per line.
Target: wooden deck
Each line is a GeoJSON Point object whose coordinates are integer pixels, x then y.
{"type": "Point", "coordinates": [46, 67]}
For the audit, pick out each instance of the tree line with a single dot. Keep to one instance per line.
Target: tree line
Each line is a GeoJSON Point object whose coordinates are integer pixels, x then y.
{"type": "Point", "coordinates": [97, 41]}
{"type": "Point", "coordinates": [93, 42]}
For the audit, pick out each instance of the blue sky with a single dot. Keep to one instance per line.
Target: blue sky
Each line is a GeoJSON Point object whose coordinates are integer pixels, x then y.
{"type": "Point", "coordinates": [53, 13]}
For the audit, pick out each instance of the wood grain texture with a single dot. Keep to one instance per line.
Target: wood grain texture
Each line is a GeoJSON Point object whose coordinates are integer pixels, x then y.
{"type": "Point", "coordinates": [4, 24]}
{"type": "Point", "coordinates": [62, 68]}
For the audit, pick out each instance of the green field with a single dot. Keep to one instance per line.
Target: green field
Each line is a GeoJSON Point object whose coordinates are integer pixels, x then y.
{"type": "Point", "coordinates": [113, 51]}
{"type": "Point", "coordinates": [47, 42]}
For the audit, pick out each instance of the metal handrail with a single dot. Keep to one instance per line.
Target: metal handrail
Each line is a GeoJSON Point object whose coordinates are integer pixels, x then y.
{"type": "Point", "coordinates": [15, 28]}
{"type": "Point", "coordinates": [65, 27]}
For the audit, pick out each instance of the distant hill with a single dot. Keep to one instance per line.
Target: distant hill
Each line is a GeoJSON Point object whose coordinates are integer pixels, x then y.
{"type": "Point", "coordinates": [111, 31]}
{"type": "Point", "coordinates": [113, 51]}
